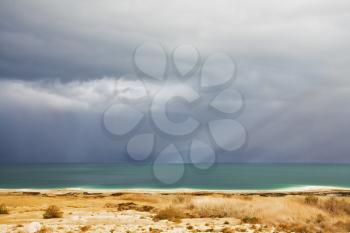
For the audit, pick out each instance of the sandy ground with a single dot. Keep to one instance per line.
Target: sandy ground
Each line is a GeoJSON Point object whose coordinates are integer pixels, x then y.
{"type": "Point", "coordinates": [191, 211]}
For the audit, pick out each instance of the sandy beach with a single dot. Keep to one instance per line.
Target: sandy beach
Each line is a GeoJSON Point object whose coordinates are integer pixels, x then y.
{"type": "Point", "coordinates": [312, 209]}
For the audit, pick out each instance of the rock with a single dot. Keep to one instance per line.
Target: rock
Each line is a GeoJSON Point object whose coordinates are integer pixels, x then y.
{"type": "Point", "coordinates": [78, 218]}
{"type": "Point", "coordinates": [33, 227]}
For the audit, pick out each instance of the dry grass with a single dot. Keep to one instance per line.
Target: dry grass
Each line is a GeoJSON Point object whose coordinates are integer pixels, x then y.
{"type": "Point", "coordinates": [4, 209]}
{"type": "Point", "coordinates": [170, 213]}
{"type": "Point", "coordinates": [341, 225]}
{"type": "Point", "coordinates": [337, 207]}
{"type": "Point", "coordinates": [334, 206]}
{"type": "Point", "coordinates": [212, 207]}
{"type": "Point", "coordinates": [311, 200]}
{"type": "Point", "coordinates": [214, 210]}
{"type": "Point", "coordinates": [183, 202]}
{"type": "Point", "coordinates": [298, 213]}
{"type": "Point", "coordinates": [289, 213]}
{"type": "Point", "coordinates": [52, 212]}
{"type": "Point", "coordinates": [181, 199]}
{"type": "Point", "coordinates": [140, 197]}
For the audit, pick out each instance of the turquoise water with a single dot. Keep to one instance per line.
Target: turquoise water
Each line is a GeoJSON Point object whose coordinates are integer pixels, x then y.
{"type": "Point", "coordinates": [221, 176]}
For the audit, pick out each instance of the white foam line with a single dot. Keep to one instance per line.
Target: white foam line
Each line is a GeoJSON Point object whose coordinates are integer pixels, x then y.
{"type": "Point", "coordinates": [189, 190]}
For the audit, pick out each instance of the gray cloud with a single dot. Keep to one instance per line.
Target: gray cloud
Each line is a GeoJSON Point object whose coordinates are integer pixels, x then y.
{"type": "Point", "coordinates": [90, 39]}
{"type": "Point", "coordinates": [293, 68]}
{"type": "Point", "coordinates": [55, 121]}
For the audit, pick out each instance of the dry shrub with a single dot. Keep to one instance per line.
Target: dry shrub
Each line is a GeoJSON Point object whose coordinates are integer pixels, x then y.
{"type": "Point", "coordinates": [52, 212]}
{"type": "Point", "coordinates": [170, 213]}
{"type": "Point", "coordinates": [4, 209]}
{"type": "Point", "coordinates": [228, 230]}
{"type": "Point", "coordinates": [45, 230]}
{"type": "Point", "coordinates": [250, 220]}
{"type": "Point", "coordinates": [85, 228]}
{"type": "Point", "coordinates": [320, 218]}
{"type": "Point", "coordinates": [311, 200]}
{"type": "Point", "coordinates": [154, 230]}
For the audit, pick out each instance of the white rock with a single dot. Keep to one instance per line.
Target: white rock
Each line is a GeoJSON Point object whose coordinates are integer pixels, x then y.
{"type": "Point", "coordinates": [75, 218]}
{"type": "Point", "coordinates": [3, 228]}
{"type": "Point", "coordinates": [33, 227]}
{"type": "Point", "coordinates": [79, 218]}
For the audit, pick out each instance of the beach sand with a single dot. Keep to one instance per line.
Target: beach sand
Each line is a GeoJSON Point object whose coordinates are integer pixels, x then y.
{"type": "Point", "coordinates": [304, 210]}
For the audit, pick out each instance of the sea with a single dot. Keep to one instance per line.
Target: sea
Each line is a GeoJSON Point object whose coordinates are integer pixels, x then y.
{"type": "Point", "coordinates": [141, 176]}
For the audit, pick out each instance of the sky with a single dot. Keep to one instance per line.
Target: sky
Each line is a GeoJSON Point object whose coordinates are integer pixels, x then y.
{"type": "Point", "coordinates": [60, 61]}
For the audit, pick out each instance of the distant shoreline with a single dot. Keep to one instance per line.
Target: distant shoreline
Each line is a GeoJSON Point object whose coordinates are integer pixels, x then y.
{"type": "Point", "coordinates": [320, 190]}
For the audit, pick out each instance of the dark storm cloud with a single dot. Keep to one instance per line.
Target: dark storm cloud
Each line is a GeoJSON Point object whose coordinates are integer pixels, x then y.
{"type": "Point", "coordinates": [293, 68]}
{"type": "Point", "coordinates": [81, 39]}
{"type": "Point", "coordinates": [55, 122]}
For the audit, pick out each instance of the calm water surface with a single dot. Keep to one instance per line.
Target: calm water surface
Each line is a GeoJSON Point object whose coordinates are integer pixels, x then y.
{"type": "Point", "coordinates": [221, 176]}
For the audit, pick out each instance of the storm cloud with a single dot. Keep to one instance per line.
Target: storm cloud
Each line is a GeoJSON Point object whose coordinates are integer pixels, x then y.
{"type": "Point", "coordinates": [59, 61]}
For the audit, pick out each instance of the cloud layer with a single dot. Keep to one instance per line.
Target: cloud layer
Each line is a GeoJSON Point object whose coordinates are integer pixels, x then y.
{"type": "Point", "coordinates": [58, 61]}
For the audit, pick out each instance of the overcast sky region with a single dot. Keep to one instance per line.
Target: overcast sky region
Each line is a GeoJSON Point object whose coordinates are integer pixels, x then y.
{"type": "Point", "coordinates": [60, 60]}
